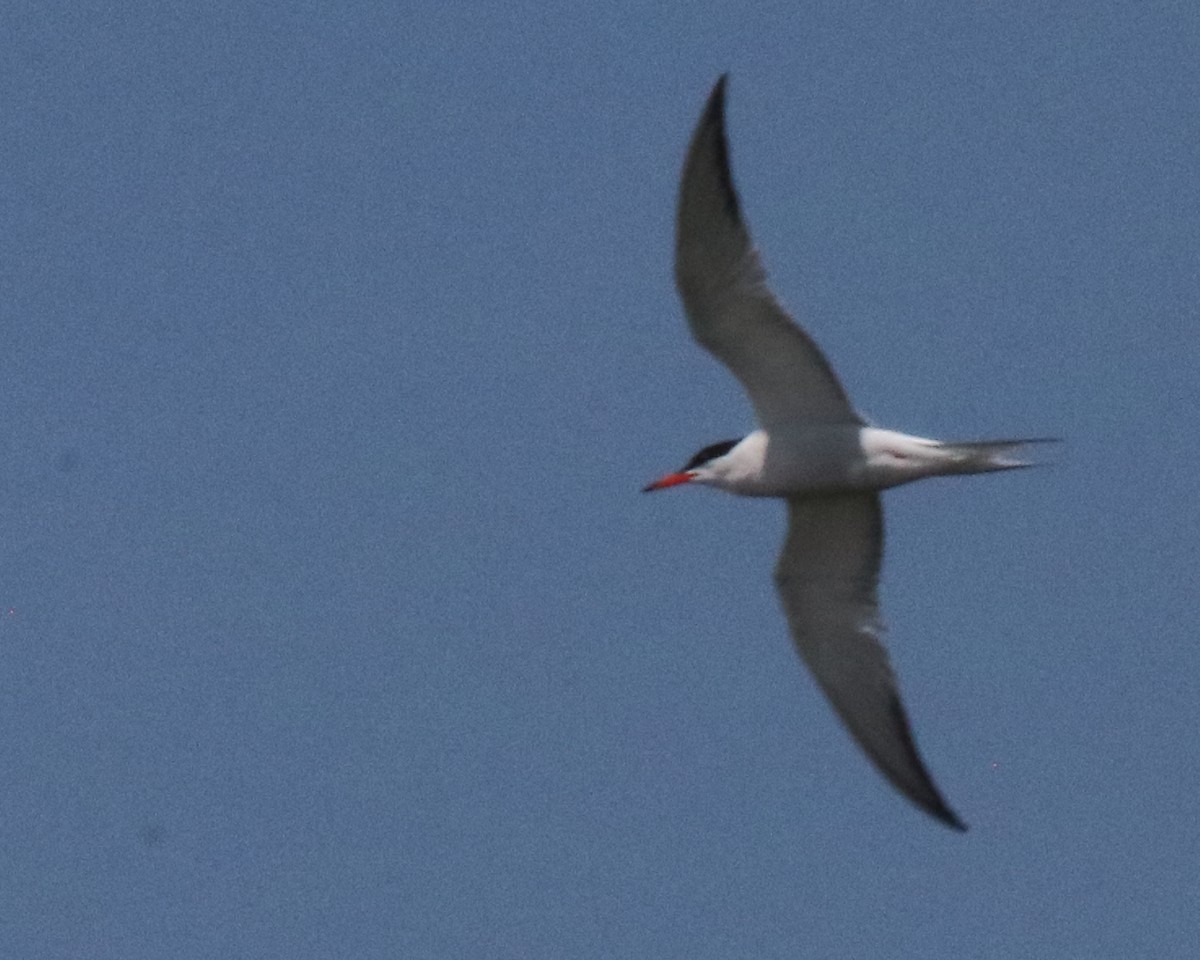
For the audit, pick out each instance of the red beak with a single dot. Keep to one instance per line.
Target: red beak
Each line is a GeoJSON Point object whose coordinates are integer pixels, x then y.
{"type": "Point", "coordinates": [670, 480]}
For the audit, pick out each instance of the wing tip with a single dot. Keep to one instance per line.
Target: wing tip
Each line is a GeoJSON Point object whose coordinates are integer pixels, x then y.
{"type": "Point", "coordinates": [928, 797]}
{"type": "Point", "coordinates": [718, 90]}
{"type": "Point", "coordinates": [713, 120]}
{"type": "Point", "coordinates": [945, 815]}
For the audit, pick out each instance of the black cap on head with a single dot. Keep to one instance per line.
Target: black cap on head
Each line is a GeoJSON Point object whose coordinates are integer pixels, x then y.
{"type": "Point", "coordinates": [710, 452]}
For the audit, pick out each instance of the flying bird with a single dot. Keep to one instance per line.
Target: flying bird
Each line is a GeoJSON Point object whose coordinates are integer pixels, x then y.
{"type": "Point", "coordinates": [816, 452]}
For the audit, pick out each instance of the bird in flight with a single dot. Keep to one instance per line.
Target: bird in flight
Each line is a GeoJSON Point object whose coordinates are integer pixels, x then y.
{"type": "Point", "coordinates": [815, 451]}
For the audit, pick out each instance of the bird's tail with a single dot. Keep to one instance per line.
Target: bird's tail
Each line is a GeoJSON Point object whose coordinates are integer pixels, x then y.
{"type": "Point", "coordinates": [984, 456]}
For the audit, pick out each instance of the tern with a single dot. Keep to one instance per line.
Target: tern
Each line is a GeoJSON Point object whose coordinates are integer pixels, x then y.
{"type": "Point", "coordinates": [815, 451]}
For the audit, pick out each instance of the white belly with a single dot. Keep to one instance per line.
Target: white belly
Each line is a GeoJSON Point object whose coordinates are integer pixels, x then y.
{"type": "Point", "coordinates": [827, 460]}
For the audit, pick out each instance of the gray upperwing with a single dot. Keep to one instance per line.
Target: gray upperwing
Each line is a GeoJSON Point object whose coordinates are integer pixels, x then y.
{"type": "Point", "coordinates": [827, 578]}
{"type": "Point", "coordinates": [731, 311]}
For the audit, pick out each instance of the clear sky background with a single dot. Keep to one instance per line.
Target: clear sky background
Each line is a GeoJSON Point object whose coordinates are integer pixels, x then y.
{"type": "Point", "coordinates": [336, 342]}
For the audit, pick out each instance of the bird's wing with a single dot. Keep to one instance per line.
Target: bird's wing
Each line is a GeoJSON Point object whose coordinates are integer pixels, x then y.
{"type": "Point", "coordinates": [827, 578]}
{"type": "Point", "coordinates": [731, 311]}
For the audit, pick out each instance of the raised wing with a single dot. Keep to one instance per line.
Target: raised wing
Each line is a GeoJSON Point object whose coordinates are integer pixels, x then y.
{"type": "Point", "coordinates": [731, 311]}
{"type": "Point", "coordinates": [827, 578]}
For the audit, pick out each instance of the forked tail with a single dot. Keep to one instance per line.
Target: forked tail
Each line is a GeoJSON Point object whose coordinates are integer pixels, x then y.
{"type": "Point", "coordinates": [984, 456]}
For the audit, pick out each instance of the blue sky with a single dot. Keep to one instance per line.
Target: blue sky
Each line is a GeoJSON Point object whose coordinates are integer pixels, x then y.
{"type": "Point", "coordinates": [337, 341]}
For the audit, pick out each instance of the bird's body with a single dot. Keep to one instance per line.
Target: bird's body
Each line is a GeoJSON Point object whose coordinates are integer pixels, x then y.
{"type": "Point", "coordinates": [800, 459]}
{"type": "Point", "coordinates": [813, 450]}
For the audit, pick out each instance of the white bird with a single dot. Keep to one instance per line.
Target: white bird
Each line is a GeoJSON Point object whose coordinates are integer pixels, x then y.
{"type": "Point", "coordinates": [814, 450]}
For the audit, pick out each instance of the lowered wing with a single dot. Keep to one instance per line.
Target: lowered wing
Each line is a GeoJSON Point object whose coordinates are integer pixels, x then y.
{"type": "Point", "coordinates": [827, 577]}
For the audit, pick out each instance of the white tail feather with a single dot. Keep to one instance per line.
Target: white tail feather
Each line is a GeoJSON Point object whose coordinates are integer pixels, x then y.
{"type": "Point", "coordinates": [984, 456]}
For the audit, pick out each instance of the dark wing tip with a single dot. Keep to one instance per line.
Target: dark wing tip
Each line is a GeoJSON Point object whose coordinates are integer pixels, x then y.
{"type": "Point", "coordinates": [718, 90]}
{"type": "Point", "coordinates": [929, 799]}
{"type": "Point", "coordinates": [715, 108]}
{"type": "Point", "coordinates": [947, 816]}
{"type": "Point", "coordinates": [712, 122]}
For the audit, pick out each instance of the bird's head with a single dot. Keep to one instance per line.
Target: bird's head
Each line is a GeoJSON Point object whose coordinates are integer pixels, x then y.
{"type": "Point", "coordinates": [704, 467]}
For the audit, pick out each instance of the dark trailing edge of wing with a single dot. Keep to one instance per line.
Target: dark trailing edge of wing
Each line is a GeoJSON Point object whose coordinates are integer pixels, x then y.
{"type": "Point", "coordinates": [711, 452]}
{"type": "Point", "coordinates": [933, 803]}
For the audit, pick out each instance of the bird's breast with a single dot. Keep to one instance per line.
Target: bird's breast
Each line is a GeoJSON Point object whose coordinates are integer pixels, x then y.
{"type": "Point", "coordinates": [816, 459]}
